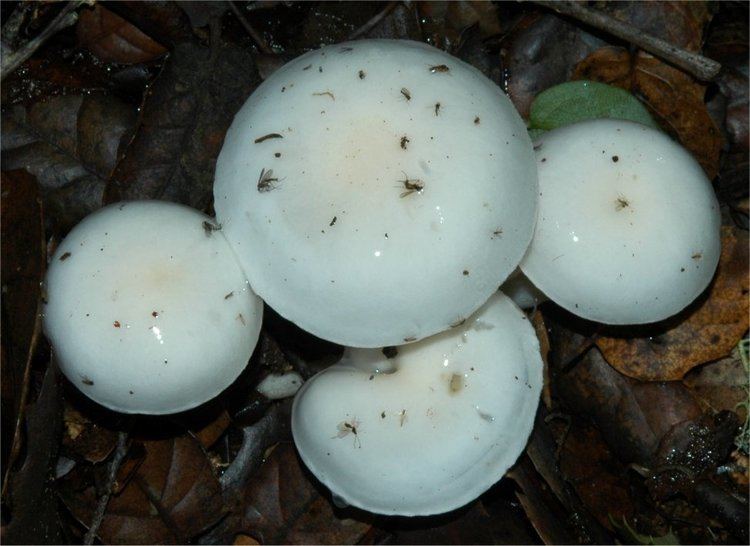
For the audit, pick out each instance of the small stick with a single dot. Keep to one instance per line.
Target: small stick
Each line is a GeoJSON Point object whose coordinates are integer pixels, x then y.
{"type": "Point", "coordinates": [701, 67]}
{"type": "Point", "coordinates": [101, 507]}
{"type": "Point", "coordinates": [65, 18]}
{"type": "Point", "coordinates": [374, 21]}
{"type": "Point", "coordinates": [254, 34]}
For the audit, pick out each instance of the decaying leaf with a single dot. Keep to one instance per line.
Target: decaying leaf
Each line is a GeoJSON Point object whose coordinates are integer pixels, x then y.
{"type": "Point", "coordinates": [86, 438]}
{"type": "Point", "coordinates": [706, 331]}
{"type": "Point", "coordinates": [542, 51]}
{"type": "Point", "coordinates": [32, 503]}
{"type": "Point", "coordinates": [284, 507]}
{"type": "Point", "coordinates": [721, 385]}
{"type": "Point", "coordinates": [23, 264]}
{"type": "Point", "coordinates": [172, 496]}
{"type": "Point", "coordinates": [633, 417]}
{"type": "Point", "coordinates": [112, 39]}
{"type": "Point", "coordinates": [70, 144]}
{"type": "Point", "coordinates": [675, 98]}
{"type": "Point", "coordinates": [595, 473]}
{"type": "Point", "coordinates": [182, 126]}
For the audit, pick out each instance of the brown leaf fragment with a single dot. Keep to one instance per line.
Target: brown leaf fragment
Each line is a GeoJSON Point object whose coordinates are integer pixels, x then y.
{"type": "Point", "coordinates": [675, 98]}
{"type": "Point", "coordinates": [633, 417]}
{"type": "Point", "coordinates": [113, 39]}
{"type": "Point", "coordinates": [23, 264]}
{"type": "Point", "coordinates": [597, 476]}
{"type": "Point", "coordinates": [183, 121]}
{"type": "Point", "coordinates": [32, 502]}
{"type": "Point", "coordinates": [172, 496]}
{"type": "Point", "coordinates": [86, 438]}
{"type": "Point", "coordinates": [679, 23]}
{"type": "Point", "coordinates": [708, 329]}
{"type": "Point", "coordinates": [542, 51]}
{"type": "Point", "coordinates": [284, 507]}
{"type": "Point", "coordinates": [720, 385]}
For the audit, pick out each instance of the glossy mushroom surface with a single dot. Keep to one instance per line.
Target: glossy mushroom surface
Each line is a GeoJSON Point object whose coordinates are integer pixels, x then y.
{"type": "Point", "coordinates": [628, 228]}
{"type": "Point", "coordinates": [148, 311]}
{"type": "Point", "coordinates": [430, 429]}
{"type": "Point", "coordinates": [377, 191]}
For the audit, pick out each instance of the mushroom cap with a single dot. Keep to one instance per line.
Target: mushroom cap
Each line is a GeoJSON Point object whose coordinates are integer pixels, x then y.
{"type": "Point", "coordinates": [377, 191]}
{"type": "Point", "coordinates": [628, 228]}
{"type": "Point", "coordinates": [148, 310]}
{"type": "Point", "coordinates": [436, 426]}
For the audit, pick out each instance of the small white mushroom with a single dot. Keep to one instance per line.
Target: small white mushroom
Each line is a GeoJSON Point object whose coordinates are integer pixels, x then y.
{"type": "Point", "coordinates": [382, 199]}
{"type": "Point", "coordinates": [148, 311]}
{"type": "Point", "coordinates": [276, 386]}
{"type": "Point", "coordinates": [628, 228]}
{"type": "Point", "coordinates": [430, 429]}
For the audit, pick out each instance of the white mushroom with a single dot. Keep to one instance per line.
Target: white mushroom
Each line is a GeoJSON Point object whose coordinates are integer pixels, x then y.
{"type": "Point", "coordinates": [377, 192]}
{"type": "Point", "coordinates": [628, 228]}
{"type": "Point", "coordinates": [148, 310]}
{"type": "Point", "coordinates": [430, 429]}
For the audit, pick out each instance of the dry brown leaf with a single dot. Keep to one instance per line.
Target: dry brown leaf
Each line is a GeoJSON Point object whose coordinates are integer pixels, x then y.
{"type": "Point", "coordinates": [85, 437]}
{"type": "Point", "coordinates": [596, 475]}
{"type": "Point", "coordinates": [707, 330]}
{"type": "Point", "coordinates": [172, 496]}
{"type": "Point", "coordinates": [675, 98]}
{"type": "Point", "coordinates": [721, 385]}
{"type": "Point", "coordinates": [284, 507]}
{"type": "Point", "coordinates": [113, 39]}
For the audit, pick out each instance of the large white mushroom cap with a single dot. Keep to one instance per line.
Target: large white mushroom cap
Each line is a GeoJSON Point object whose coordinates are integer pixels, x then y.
{"type": "Point", "coordinates": [148, 311]}
{"type": "Point", "coordinates": [430, 429]}
{"type": "Point", "coordinates": [377, 191]}
{"type": "Point", "coordinates": [628, 228]}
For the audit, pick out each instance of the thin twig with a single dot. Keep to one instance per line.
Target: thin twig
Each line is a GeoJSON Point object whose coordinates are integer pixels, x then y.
{"type": "Point", "coordinates": [101, 507]}
{"type": "Point", "coordinates": [15, 446]}
{"type": "Point", "coordinates": [65, 18]}
{"type": "Point", "coordinates": [699, 66]}
{"type": "Point", "coordinates": [254, 34]}
{"type": "Point", "coordinates": [375, 21]}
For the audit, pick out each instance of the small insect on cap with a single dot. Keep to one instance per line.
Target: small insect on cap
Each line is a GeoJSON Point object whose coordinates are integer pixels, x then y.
{"type": "Point", "coordinates": [628, 228]}
{"type": "Point", "coordinates": [147, 309]}
{"type": "Point", "coordinates": [431, 428]}
{"type": "Point", "coordinates": [377, 191]}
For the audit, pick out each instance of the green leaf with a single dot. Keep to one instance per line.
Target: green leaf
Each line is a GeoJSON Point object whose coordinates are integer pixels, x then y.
{"type": "Point", "coordinates": [580, 100]}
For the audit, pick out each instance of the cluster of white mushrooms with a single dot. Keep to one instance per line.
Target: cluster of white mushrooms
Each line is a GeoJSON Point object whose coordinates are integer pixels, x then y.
{"type": "Point", "coordinates": [377, 193]}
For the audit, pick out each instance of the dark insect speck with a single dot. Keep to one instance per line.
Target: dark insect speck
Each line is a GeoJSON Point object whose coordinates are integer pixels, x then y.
{"type": "Point", "coordinates": [476, 120]}
{"type": "Point", "coordinates": [229, 295]}
{"type": "Point", "coordinates": [308, 67]}
{"type": "Point", "coordinates": [210, 227]}
{"type": "Point", "coordinates": [86, 381]}
{"type": "Point", "coordinates": [615, 159]}
{"type": "Point", "coordinates": [333, 221]}
{"type": "Point", "coordinates": [266, 181]}
{"type": "Point", "coordinates": [405, 92]}
{"type": "Point", "coordinates": [65, 256]}
{"type": "Point", "coordinates": [404, 141]}
{"type": "Point", "coordinates": [439, 68]}
{"type": "Point", "coordinates": [267, 137]}
{"type": "Point", "coordinates": [362, 74]}
{"type": "Point", "coordinates": [437, 108]}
